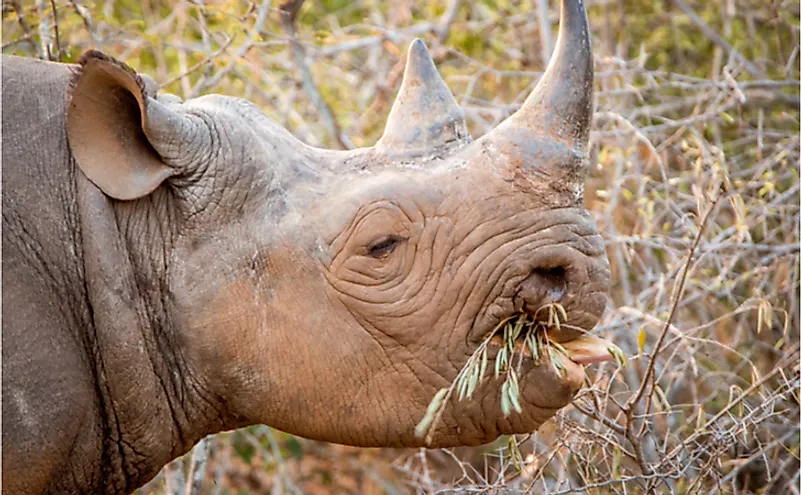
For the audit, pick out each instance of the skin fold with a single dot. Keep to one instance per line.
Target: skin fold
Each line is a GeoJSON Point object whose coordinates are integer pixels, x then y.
{"type": "Point", "coordinates": [172, 269]}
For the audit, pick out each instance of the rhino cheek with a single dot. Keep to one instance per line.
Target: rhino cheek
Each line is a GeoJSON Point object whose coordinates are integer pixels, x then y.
{"type": "Point", "coordinates": [288, 357]}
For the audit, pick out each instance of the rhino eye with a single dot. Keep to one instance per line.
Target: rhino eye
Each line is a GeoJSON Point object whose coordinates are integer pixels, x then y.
{"type": "Point", "coordinates": [383, 246]}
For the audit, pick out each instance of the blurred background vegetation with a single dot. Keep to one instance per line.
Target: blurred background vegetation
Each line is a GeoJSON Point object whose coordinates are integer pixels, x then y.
{"type": "Point", "coordinates": [695, 188]}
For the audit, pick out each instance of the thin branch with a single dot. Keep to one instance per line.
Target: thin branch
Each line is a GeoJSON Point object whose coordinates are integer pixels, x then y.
{"type": "Point", "coordinates": [446, 20]}
{"type": "Point", "coordinates": [55, 29]}
{"type": "Point", "coordinates": [198, 65]}
{"type": "Point", "coordinates": [668, 323]}
{"type": "Point", "coordinates": [289, 12]}
{"type": "Point", "coordinates": [17, 5]}
{"type": "Point", "coordinates": [44, 30]}
{"type": "Point", "coordinates": [718, 40]}
{"type": "Point", "coordinates": [197, 468]}
{"type": "Point", "coordinates": [544, 28]}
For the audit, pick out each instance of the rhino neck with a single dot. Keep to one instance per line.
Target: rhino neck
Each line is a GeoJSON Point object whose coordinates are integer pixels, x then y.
{"type": "Point", "coordinates": [152, 407]}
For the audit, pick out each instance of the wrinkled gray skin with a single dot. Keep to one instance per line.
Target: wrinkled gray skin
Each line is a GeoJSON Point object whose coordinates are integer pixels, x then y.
{"type": "Point", "coordinates": [174, 269]}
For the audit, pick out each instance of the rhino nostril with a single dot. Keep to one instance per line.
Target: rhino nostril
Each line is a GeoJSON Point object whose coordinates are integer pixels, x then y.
{"type": "Point", "coordinates": [543, 286]}
{"type": "Point", "coordinates": [554, 282]}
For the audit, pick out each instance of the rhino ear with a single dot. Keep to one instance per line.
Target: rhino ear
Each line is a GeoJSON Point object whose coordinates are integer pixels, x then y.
{"type": "Point", "coordinates": [107, 120]}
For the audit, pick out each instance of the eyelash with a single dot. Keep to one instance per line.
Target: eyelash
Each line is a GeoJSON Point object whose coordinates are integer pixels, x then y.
{"type": "Point", "coordinates": [383, 247]}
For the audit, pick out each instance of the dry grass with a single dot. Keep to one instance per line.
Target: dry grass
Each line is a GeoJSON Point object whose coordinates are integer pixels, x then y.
{"type": "Point", "coordinates": [696, 191]}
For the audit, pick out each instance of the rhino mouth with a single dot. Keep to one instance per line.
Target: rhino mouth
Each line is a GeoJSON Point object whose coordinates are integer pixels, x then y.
{"type": "Point", "coordinates": [518, 331]}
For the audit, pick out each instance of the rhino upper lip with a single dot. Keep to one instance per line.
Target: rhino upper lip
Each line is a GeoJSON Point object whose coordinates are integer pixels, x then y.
{"type": "Point", "coordinates": [493, 328]}
{"type": "Point", "coordinates": [565, 261]}
{"type": "Point", "coordinates": [497, 330]}
{"type": "Point", "coordinates": [583, 349]}
{"type": "Point", "coordinates": [495, 324]}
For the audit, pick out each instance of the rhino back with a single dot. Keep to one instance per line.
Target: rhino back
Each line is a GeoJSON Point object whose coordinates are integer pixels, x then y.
{"type": "Point", "coordinates": [48, 388]}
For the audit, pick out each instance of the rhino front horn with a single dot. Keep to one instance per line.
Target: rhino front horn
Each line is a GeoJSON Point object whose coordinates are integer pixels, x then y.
{"type": "Point", "coordinates": [425, 116]}
{"type": "Point", "coordinates": [560, 107]}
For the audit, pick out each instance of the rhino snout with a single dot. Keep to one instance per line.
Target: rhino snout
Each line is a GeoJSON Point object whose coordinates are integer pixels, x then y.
{"type": "Point", "coordinates": [575, 281]}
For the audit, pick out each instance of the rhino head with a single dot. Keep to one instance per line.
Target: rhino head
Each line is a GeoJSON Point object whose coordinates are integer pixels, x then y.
{"type": "Point", "coordinates": [330, 294]}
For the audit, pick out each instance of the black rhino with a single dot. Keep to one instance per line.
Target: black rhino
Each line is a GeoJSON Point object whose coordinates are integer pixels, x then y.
{"type": "Point", "coordinates": [172, 269]}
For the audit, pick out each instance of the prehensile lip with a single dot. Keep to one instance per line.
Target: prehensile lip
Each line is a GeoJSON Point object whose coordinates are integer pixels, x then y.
{"type": "Point", "coordinates": [584, 349]}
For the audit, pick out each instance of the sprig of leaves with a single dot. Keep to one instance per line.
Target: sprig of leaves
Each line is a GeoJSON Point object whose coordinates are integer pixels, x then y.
{"type": "Point", "coordinates": [474, 370]}
{"type": "Point", "coordinates": [465, 385]}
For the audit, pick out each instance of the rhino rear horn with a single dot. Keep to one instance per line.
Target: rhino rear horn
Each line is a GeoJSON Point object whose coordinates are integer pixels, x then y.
{"type": "Point", "coordinates": [425, 116]}
{"type": "Point", "coordinates": [560, 107]}
{"type": "Point", "coordinates": [118, 134]}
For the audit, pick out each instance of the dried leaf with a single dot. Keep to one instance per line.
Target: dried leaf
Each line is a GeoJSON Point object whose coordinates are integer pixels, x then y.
{"type": "Point", "coordinates": [473, 381]}
{"type": "Point", "coordinates": [514, 454]}
{"type": "Point", "coordinates": [620, 357]}
{"type": "Point", "coordinates": [484, 359]}
{"type": "Point", "coordinates": [616, 456]}
{"type": "Point", "coordinates": [556, 362]}
{"type": "Point", "coordinates": [700, 419]}
{"type": "Point", "coordinates": [506, 405]}
{"type": "Point", "coordinates": [562, 311]}
{"type": "Point", "coordinates": [641, 339]}
{"type": "Point", "coordinates": [514, 394]}
{"type": "Point", "coordinates": [431, 412]}
{"type": "Point", "coordinates": [662, 398]}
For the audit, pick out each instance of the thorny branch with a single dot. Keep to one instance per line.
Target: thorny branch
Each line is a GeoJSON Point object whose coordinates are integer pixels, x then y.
{"type": "Point", "coordinates": [679, 291]}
